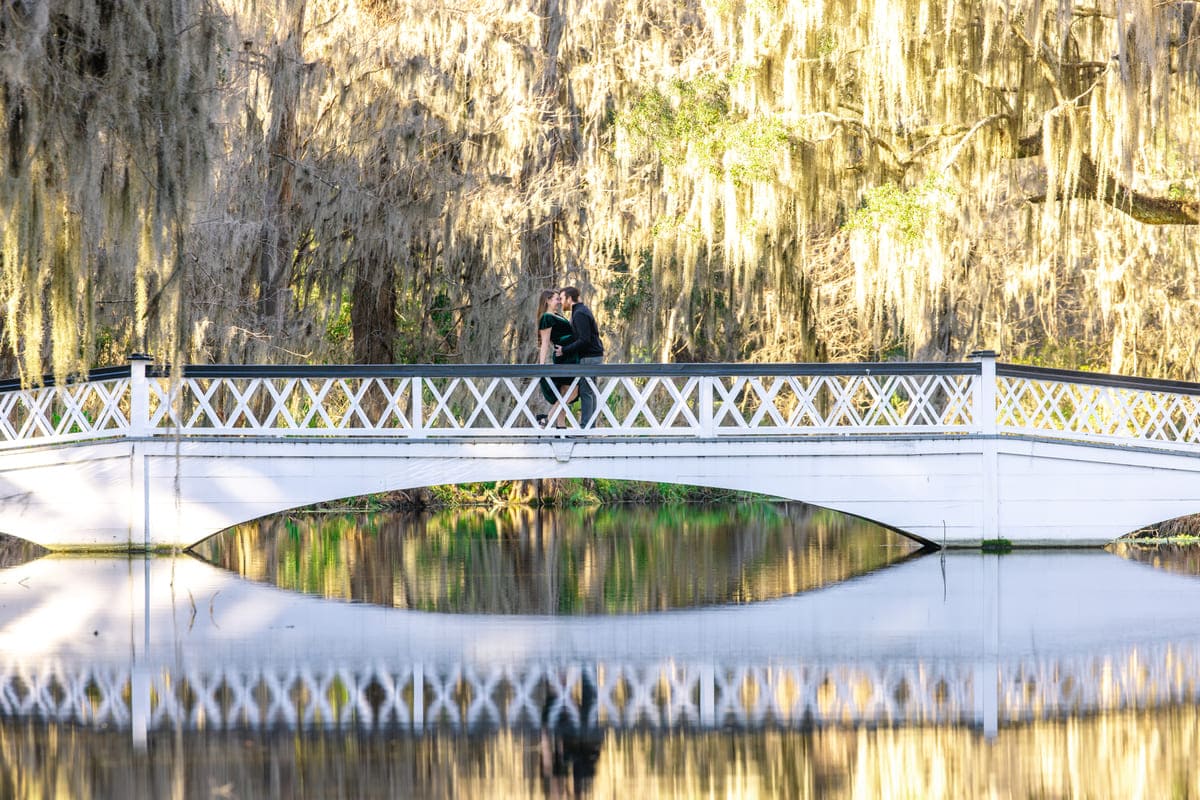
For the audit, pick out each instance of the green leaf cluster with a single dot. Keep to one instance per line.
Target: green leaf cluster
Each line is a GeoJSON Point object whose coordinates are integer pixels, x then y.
{"type": "Point", "coordinates": [905, 212]}
{"type": "Point", "coordinates": [694, 119]}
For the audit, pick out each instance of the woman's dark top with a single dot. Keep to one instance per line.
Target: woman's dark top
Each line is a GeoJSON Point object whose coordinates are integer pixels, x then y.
{"type": "Point", "coordinates": [561, 333]}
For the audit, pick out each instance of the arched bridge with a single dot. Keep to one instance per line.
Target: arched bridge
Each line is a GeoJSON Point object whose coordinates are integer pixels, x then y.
{"type": "Point", "coordinates": [138, 457]}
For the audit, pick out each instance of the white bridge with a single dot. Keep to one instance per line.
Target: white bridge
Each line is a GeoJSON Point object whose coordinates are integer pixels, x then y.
{"type": "Point", "coordinates": [138, 457]}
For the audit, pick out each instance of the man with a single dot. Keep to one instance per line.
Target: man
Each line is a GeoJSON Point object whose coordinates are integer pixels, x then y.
{"type": "Point", "coordinates": [587, 346]}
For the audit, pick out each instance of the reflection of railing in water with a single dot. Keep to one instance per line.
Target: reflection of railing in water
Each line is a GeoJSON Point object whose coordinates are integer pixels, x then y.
{"type": "Point", "coordinates": [464, 698]}
{"type": "Point", "coordinates": [1139, 678]}
{"type": "Point", "coordinates": [666, 695]}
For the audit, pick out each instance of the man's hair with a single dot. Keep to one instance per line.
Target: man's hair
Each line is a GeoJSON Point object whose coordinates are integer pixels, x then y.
{"type": "Point", "coordinates": [571, 292]}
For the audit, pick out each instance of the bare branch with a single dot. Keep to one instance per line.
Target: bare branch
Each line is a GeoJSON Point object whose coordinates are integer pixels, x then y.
{"type": "Point", "coordinates": [1145, 208]}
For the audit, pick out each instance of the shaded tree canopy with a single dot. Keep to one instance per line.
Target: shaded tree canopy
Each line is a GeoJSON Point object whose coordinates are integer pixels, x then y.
{"type": "Point", "coordinates": [326, 180]}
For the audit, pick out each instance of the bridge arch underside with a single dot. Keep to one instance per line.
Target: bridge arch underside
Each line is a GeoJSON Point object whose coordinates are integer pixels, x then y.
{"type": "Point", "coordinates": [157, 493]}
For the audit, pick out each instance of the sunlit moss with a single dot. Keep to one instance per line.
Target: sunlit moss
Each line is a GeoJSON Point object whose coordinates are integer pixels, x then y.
{"type": "Point", "coordinates": [214, 181]}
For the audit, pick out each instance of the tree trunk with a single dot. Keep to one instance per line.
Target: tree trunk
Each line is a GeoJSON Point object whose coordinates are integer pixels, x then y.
{"type": "Point", "coordinates": [275, 240]}
{"type": "Point", "coordinates": [373, 313]}
{"type": "Point", "coordinates": [537, 176]}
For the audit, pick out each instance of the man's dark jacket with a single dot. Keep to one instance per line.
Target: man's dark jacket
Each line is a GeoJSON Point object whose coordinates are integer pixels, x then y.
{"type": "Point", "coordinates": [587, 335]}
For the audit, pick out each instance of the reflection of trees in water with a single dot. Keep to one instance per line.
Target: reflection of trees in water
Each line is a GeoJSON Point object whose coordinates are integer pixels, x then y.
{"type": "Point", "coordinates": [1076, 757]}
{"type": "Point", "coordinates": [527, 560]}
{"type": "Point", "coordinates": [1182, 559]}
{"type": "Point", "coordinates": [15, 551]}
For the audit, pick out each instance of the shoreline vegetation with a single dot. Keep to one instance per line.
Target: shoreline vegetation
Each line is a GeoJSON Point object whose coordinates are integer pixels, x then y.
{"type": "Point", "coordinates": [1181, 530]}
{"type": "Point", "coordinates": [538, 493]}
{"type": "Point", "coordinates": [577, 492]}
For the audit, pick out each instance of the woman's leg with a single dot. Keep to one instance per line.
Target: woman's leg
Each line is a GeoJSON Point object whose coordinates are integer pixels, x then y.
{"type": "Point", "coordinates": [569, 394]}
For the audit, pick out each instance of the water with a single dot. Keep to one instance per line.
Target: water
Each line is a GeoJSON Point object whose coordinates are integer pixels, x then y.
{"type": "Point", "coordinates": [756, 651]}
{"type": "Point", "coordinates": [584, 561]}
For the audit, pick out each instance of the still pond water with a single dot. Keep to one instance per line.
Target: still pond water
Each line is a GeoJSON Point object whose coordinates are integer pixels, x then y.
{"type": "Point", "coordinates": [749, 651]}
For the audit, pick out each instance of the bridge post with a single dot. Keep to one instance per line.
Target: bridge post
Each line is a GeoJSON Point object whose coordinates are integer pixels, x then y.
{"type": "Point", "coordinates": [985, 420]}
{"type": "Point", "coordinates": [986, 678]}
{"type": "Point", "coordinates": [418, 410]}
{"type": "Point", "coordinates": [139, 428]}
{"type": "Point", "coordinates": [708, 695]}
{"type": "Point", "coordinates": [707, 388]}
{"type": "Point", "coordinates": [417, 717]}
{"type": "Point", "coordinates": [139, 395]}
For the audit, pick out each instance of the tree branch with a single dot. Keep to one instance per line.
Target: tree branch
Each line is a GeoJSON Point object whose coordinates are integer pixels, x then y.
{"type": "Point", "coordinates": [1145, 208]}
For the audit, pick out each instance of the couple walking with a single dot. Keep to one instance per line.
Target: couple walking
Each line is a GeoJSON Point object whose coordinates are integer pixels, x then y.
{"type": "Point", "coordinates": [567, 341]}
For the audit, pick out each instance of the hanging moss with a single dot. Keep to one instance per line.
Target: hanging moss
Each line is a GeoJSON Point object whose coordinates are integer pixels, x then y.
{"type": "Point", "coordinates": [772, 163]}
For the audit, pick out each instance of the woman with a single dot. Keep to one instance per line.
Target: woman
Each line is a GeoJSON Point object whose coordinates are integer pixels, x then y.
{"type": "Point", "coordinates": [554, 329]}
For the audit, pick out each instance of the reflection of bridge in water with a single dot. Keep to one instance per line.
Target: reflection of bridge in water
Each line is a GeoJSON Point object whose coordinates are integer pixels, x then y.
{"type": "Point", "coordinates": [666, 694]}
{"type": "Point", "coordinates": [167, 643]}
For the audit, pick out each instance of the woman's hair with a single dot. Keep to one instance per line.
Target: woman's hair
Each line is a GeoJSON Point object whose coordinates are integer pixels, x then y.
{"type": "Point", "coordinates": [544, 302]}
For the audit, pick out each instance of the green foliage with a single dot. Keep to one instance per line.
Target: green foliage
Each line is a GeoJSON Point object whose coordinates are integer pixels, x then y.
{"type": "Point", "coordinates": [695, 120]}
{"type": "Point", "coordinates": [56, 417]}
{"type": "Point", "coordinates": [109, 347]}
{"type": "Point", "coordinates": [906, 212]}
{"type": "Point", "coordinates": [425, 334]}
{"type": "Point", "coordinates": [1063, 353]}
{"type": "Point", "coordinates": [579, 492]}
{"type": "Point", "coordinates": [827, 43]}
{"type": "Point", "coordinates": [337, 330]}
{"type": "Point", "coordinates": [996, 546]}
{"type": "Point", "coordinates": [1180, 191]}
{"type": "Point", "coordinates": [442, 317]}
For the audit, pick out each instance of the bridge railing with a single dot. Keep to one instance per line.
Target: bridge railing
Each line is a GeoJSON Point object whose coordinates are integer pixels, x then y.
{"type": "Point", "coordinates": [698, 400]}
{"type": "Point", "coordinates": [1096, 406]}
{"type": "Point", "coordinates": [94, 406]}
{"type": "Point", "coordinates": [505, 400]}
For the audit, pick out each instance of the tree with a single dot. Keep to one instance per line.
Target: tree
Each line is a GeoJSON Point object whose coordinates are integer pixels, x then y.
{"type": "Point", "coordinates": [105, 109]}
{"type": "Point", "coordinates": [727, 179]}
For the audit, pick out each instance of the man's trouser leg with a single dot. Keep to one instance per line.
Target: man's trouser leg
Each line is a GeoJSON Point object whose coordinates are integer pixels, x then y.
{"type": "Point", "coordinates": [587, 397]}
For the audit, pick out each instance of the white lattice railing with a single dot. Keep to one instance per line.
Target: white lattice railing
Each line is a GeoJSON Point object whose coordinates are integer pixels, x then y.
{"type": "Point", "coordinates": [698, 400]}
{"type": "Point", "coordinates": [92, 409]}
{"type": "Point", "coordinates": [634, 400]}
{"type": "Point", "coordinates": [1096, 407]}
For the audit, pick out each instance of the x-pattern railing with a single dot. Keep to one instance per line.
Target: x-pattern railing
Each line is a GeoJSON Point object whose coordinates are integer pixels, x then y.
{"type": "Point", "coordinates": [464, 698]}
{"type": "Point", "coordinates": [661, 694]}
{"type": "Point", "coordinates": [1053, 402]}
{"type": "Point", "coordinates": [659, 400]}
{"type": "Point", "coordinates": [697, 400]}
{"type": "Point", "coordinates": [1152, 676]}
{"type": "Point", "coordinates": [85, 410]}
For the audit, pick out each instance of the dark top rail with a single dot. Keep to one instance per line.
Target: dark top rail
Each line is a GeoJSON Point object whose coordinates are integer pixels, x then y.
{"type": "Point", "coordinates": [1096, 379]}
{"type": "Point", "coordinates": [100, 374]}
{"type": "Point", "coordinates": [569, 370]}
{"type": "Point", "coordinates": [739, 369]}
